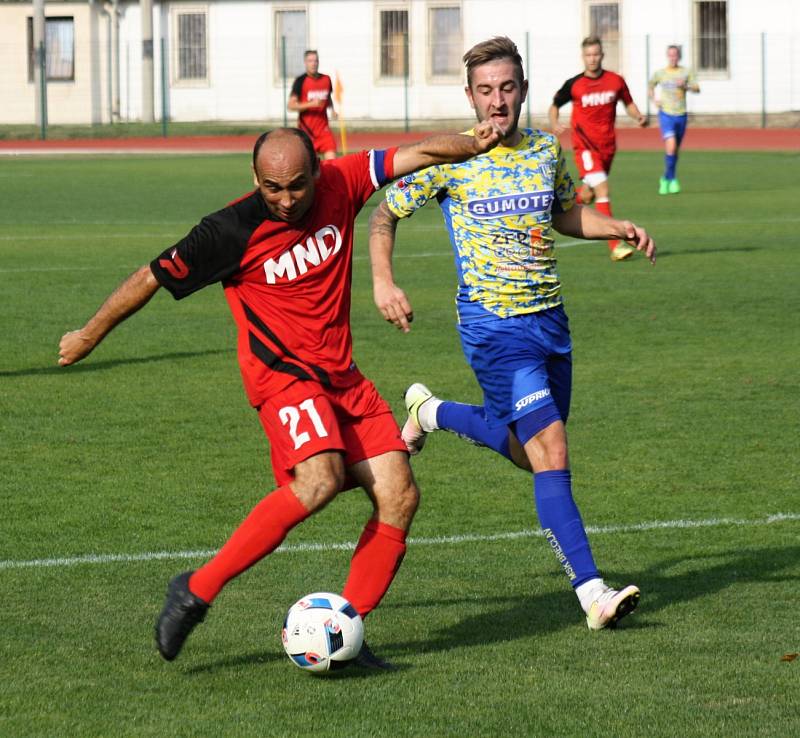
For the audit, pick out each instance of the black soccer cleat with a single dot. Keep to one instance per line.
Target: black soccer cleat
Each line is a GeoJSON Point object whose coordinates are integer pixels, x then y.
{"type": "Point", "coordinates": [182, 611]}
{"type": "Point", "coordinates": [368, 660]}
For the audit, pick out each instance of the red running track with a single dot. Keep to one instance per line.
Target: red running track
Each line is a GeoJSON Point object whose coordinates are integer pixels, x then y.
{"type": "Point", "coordinates": [628, 139]}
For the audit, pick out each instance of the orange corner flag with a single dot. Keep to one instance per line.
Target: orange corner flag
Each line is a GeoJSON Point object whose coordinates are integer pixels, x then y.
{"type": "Point", "coordinates": [338, 95]}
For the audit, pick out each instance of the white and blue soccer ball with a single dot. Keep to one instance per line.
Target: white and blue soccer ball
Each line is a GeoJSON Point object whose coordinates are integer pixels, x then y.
{"type": "Point", "coordinates": [322, 632]}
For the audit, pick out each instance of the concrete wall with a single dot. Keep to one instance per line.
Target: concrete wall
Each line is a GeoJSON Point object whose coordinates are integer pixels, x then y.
{"type": "Point", "coordinates": [244, 81]}
{"type": "Point", "coordinates": [82, 100]}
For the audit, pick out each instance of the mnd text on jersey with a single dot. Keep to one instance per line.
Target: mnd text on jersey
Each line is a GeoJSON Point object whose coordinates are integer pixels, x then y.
{"type": "Point", "coordinates": [295, 261]}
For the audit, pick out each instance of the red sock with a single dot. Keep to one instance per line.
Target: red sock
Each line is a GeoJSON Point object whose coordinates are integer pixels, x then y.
{"type": "Point", "coordinates": [604, 206]}
{"type": "Point", "coordinates": [261, 532]}
{"type": "Point", "coordinates": [373, 566]}
{"type": "Point", "coordinates": [578, 198]}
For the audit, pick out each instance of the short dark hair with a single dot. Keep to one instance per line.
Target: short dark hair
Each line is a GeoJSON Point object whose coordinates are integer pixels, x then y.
{"type": "Point", "coordinates": [499, 47]}
{"type": "Point", "coordinates": [307, 52]}
{"type": "Point", "coordinates": [302, 135]}
{"type": "Point", "coordinates": [677, 48]}
{"type": "Point", "coordinates": [592, 41]}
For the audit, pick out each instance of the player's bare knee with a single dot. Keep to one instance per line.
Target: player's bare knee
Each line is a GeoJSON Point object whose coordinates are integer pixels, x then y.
{"type": "Point", "coordinates": [317, 481]}
{"type": "Point", "coordinates": [547, 450]}
{"type": "Point", "coordinates": [396, 503]}
{"type": "Point", "coordinates": [408, 501]}
{"type": "Point", "coordinates": [315, 494]}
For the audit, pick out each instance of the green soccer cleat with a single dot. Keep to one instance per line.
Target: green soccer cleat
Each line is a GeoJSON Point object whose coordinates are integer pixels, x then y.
{"type": "Point", "coordinates": [413, 434]}
{"type": "Point", "coordinates": [663, 186]}
{"type": "Point", "coordinates": [674, 187]}
{"type": "Point", "coordinates": [611, 606]}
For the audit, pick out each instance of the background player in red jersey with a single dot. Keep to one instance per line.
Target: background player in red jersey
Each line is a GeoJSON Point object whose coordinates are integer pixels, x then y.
{"type": "Point", "coordinates": [284, 256]}
{"type": "Point", "coordinates": [311, 96]}
{"type": "Point", "coordinates": [594, 94]}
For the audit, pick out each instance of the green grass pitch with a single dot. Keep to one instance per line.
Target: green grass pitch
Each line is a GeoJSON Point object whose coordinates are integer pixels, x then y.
{"type": "Point", "coordinates": [683, 440]}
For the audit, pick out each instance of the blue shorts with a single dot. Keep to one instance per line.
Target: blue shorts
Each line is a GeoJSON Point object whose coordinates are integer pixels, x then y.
{"type": "Point", "coordinates": [672, 125]}
{"type": "Point", "coordinates": [522, 363]}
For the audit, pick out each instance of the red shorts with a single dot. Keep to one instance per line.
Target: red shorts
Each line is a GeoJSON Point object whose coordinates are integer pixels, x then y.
{"type": "Point", "coordinates": [316, 126]}
{"type": "Point", "coordinates": [324, 141]}
{"type": "Point", "coordinates": [590, 161]}
{"type": "Point", "coordinates": [307, 419]}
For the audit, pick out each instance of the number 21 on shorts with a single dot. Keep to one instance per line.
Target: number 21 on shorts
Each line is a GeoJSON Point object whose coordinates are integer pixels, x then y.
{"type": "Point", "coordinates": [290, 415]}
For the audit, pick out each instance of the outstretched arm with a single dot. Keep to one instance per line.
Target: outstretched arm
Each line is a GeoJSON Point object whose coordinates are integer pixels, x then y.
{"type": "Point", "coordinates": [445, 149]}
{"type": "Point", "coordinates": [389, 298]}
{"type": "Point", "coordinates": [636, 114]}
{"type": "Point", "coordinates": [582, 222]}
{"type": "Point", "coordinates": [131, 295]}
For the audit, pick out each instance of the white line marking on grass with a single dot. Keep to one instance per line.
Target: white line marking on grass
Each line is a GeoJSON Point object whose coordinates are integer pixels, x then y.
{"type": "Point", "coordinates": [26, 270]}
{"type": "Point", "coordinates": [449, 252]}
{"type": "Point", "coordinates": [436, 541]}
{"type": "Point", "coordinates": [423, 255]}
{"type": "Point", "coordinates": [86, 236]}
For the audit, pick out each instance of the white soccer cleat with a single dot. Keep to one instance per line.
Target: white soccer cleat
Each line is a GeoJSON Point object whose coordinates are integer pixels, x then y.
{"type": "Point", "coordinates": [413, 434]}
{"type": "Point", "coordinates": [611, 606]}
{"type": "Point", "coordinates": [622, 251]}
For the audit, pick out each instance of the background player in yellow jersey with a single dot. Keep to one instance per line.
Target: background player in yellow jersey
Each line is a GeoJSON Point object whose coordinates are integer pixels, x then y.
{"type": "Point", "coordinates": [674, 82]}
{"type": "Point", "coordinates": [501, 213]}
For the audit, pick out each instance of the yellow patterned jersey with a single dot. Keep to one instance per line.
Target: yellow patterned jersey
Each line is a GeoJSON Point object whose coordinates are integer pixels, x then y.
{"type": "Point", "coordinates": [498, 209]}
{"type": "Point", "coordinates": [673, 82]}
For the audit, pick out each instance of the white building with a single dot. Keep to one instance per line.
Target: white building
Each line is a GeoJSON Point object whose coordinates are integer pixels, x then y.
{"type": "Point", "coordinates": [223, 59]}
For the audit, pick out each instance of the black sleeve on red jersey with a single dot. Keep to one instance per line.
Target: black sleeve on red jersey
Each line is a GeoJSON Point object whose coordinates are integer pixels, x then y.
{"type": "Point", "coordinates": [297, 86]}
{"type": "Point", "coordinates": [564, 95]}
{"type": "Point", "coordinates": [212, 251]}
{"type": "Point", "coordinates": [625, 93]}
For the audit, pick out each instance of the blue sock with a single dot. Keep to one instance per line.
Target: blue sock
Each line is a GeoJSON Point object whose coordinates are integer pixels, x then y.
{"type": "Point", "coordinates": [562, 525]}
{"type": "Point", "coordinates": [670, 162]}
{"type": "Point", "coordinates": [469, 422]}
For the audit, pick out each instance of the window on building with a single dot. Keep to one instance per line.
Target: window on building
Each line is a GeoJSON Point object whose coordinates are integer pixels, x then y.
{"type": "Point", "coordinates": [444, 32]}
{"type": "Point", "coordinates": [192, 45]}
{"type": "Point", "coordinates": [711, 36]}
{"type": "Point", "coordinates": [393, 43]}
{"type": "Point", "coordinates": [290, 43]}
{"type": "Point", "coordinates": [604, 23]}
{"type": "Point", "coordinates": [59, 43]}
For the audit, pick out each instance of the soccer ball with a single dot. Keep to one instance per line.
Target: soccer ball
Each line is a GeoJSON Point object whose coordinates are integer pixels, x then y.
{"type": "Point", "coordinates": [322, 632]}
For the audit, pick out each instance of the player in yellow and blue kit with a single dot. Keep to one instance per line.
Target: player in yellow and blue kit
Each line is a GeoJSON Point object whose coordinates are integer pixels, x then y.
{"type": "Point", "coordinates": [501, 211]}
{"type": "Point", "coordinates": [674, 82]}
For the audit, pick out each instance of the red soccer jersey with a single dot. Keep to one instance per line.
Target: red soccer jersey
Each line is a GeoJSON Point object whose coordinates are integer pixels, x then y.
{"type": "Point", "coordinates": [594, 108]}
{"type": "Point", "coordinates": [288, 285]}
{"type": "Point", "coordinates": [306, 88]}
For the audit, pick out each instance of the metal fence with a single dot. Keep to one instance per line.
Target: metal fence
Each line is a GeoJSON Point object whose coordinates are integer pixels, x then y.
{"type": "Point", "coordinates": [748, 78]}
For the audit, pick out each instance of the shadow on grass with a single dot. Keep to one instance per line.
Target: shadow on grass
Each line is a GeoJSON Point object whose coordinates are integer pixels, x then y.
{"type": "Point", "coordinates": [266, 657]}
{"type": "Point", "coordinates": [94, 366]}
{"type": "Point", "coordinates": [693, 252]}
{"type": "Point", "coordinates": [514, 617]}
{"type": "Point", "coordinates": [254, 658]}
